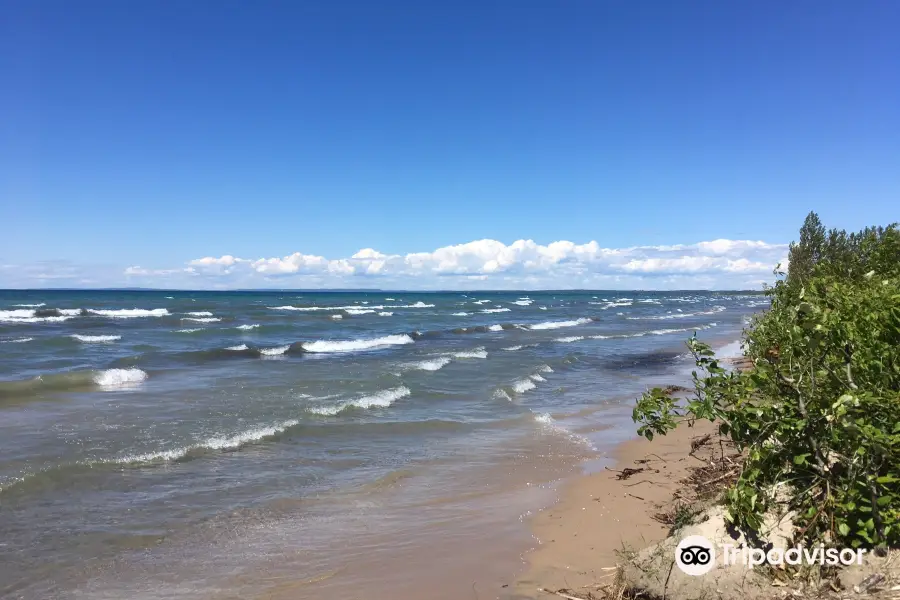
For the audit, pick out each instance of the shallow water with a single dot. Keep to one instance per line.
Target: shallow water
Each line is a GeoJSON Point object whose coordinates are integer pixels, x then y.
{"type": "Point", "coordinates": [196, 444]}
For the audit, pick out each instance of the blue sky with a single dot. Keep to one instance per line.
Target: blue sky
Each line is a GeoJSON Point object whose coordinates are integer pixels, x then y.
{"type": "Point", "coordinates": [144, 141]}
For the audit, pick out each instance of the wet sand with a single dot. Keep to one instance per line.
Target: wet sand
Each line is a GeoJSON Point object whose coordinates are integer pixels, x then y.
{"type": "Point", "coordinates": [580, 537]}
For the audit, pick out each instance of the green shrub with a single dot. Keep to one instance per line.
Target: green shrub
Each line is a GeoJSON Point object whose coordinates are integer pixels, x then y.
{"type": "Point", "coordinates": [819, 411]}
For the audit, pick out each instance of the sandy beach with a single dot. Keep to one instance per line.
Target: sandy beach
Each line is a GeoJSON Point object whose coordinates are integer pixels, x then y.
{"type": "Point", "coordinates": [599, 515]}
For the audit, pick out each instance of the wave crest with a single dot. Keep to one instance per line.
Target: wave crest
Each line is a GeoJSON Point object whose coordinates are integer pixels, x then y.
{"type": "Point", "coordinates": [327, 346]}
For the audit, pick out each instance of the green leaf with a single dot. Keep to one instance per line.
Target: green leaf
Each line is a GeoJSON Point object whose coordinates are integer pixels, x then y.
{"type": "Point", "coordinates": [844, 529]}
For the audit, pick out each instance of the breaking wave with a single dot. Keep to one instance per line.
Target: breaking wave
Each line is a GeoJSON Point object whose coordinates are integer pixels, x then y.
{"type": "Point", "coordinates": [356, 345]}
{"type": "Point", "coordinates": [381, 399]}
{"type": "Point", "coordinates": [88, 339]}
{"type": "Point", "coordinates": [276, 351]}
{"type": "Point", "coordinates": [433, 364]}
{"type": "Point", "coordinates": [129, 313]}
{"type": "Point", "coordinates": [419, 304]}
{"type": "Point", "coordinates": [111, 378]}
{"type": "Point", "coordinates": [714, 310]}
{"type": "Point", "coordinates": [558, 324]}
{"type": "Point", "coordinates": [231, 442]}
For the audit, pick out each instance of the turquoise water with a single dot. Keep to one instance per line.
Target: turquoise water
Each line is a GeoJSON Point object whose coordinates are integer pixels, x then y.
{"type": "Point", "coordinates": [143, 433]}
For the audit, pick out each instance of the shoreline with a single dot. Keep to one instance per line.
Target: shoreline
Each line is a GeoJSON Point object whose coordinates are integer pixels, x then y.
{"type": "Point", "coordinates": [602, 513]}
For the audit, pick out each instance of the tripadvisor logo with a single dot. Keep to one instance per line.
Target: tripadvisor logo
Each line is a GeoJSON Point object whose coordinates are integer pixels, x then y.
{"type": "Point", "coordinates": [696, 555]}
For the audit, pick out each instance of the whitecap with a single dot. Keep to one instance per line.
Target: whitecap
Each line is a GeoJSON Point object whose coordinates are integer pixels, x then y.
{"type": "Point", "coordinates": [419, 304]}
{"type": "Point", "coordinates": [359, 311]}
{"type": "Point", "coordinates": [523, 385]}
{"type": "Point", "coordinates": [337, 317]}
{"type": "Point", "coordinates": [16, 341]}
{"type": "Point", "coordinates": [714, 310]}
{"type": "Point", "coordinates": [523, 302]}
{"type": "Point", "coordinates": [95, 338]}
{"type": "Point", "coordinates": [202, 319]}
{"type": "Point", "coordinates": [356, 345]}
{"type": "Point", "coordinates": [461, 314]}
{"type": "Point", "coordinates": [494, 310]}
{"type": "Point", "coordinates": [16, 314]}
{"type": "Point", "coordinates": [238, 348]}
{"type": "Point", "coordinates": [573, 338]}
{"type": "Point", "coordinates": [248, 327]}
{"type": "Point", "coordinates": [385, 314]}
{"type": "Point", "coordinates": [381, 399]}
{"type": "Point", "coordinates": [199, 313]}
{"type": "Point", "coordinates": [189, 330]}
{"type": "Point", "coordinates": [433, 364]}
{"type": "Point", "coordinates": [608, 305]}
{"type": "Point", "coordinates": [502, 394]}
{"type": "Point", "coordinates": [4, 319]}
{"type": "Point", "coordinates": [496, 328]}
{"type": "Point", "coordinates": [276, 351]}
{"type": "Point", "coordinates": [30, 305]}
{"type": "Point", "coordinates": [119, 377]}
{"type": "Point", "coordinates": [476, 353]}
{"type": "Point", "coordinates": [558, 324]}
{"type": "Point", "coordinates": [215, 443]}
{"type": "Point", "coordinates": [129, 313]}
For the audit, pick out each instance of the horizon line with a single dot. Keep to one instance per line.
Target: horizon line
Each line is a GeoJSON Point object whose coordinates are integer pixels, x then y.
{"type": "Point", "coordinates": [374, 290]}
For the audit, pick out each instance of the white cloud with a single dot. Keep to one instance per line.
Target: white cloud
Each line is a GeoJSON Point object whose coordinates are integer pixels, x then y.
{"type": "Point", "coordinates": [222, 261]}
{"type": "Point", "coordinates": [479, 264]}
{"type": "Point", "coordinates": [524, 262]}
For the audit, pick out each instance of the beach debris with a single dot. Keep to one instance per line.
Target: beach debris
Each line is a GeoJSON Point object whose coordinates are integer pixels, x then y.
{"type": "Point", "coordinates": [869, 583]}
{"type": "Point", "coordinates": [698, 443]}
{"type": "Point", "coordinates": [626, 472]}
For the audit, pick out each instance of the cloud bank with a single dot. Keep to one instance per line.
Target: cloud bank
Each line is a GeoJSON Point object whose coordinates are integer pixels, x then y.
{"type": "Point", "coordinates": [481, 264]}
